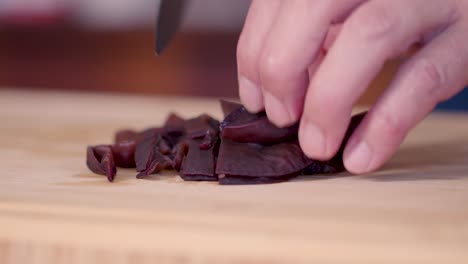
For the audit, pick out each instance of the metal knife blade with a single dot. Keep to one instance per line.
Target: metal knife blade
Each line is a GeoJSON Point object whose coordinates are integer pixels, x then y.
{"type": "Point", "coordinates": [169, 15]}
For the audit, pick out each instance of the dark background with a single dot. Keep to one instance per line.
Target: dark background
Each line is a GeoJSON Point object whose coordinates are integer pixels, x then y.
{"type": "Point", "coordinates": [107, 46]}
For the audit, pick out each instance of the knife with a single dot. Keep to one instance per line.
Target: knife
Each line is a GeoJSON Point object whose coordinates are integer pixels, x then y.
{"type": "Point", "coordinates": [169, 15]}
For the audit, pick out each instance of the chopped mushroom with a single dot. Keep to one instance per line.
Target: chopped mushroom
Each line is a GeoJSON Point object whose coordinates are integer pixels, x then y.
{"type": "Point", "coordinates": [244, 148]}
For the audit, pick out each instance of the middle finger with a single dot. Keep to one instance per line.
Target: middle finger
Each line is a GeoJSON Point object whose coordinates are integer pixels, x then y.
{"type": "Point", "coordinates": [293, 42]}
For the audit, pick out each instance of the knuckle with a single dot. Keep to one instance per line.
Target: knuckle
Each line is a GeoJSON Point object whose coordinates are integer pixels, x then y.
{"type": "Point", "coordinates": [373, 22]}
{"type": "Point", "coordinates": [430, 77]}
{"type": "Point", "coordinates": [244, 55]}
{"type": "Point", "coordinates": [391, 124]}
{"type": "Point", "coordinates": [325, 104]}
{"type": "Point", "coordinates": [273, 70]}
{"type": "Point", "coordinates": [271, 67]}
{"type": "Point", "coordinates": [247, 57]}
{"type": "Point", "coordinates": [322, 111]}
{"type": "Point", "coordinates": [320, 99]}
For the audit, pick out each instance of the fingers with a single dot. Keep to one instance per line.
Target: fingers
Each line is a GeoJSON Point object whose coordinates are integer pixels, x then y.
{"type": "Point", "coordinates": [331, 36]}
{"type": "Point", "coordinates": [327, 43]}
{"type": "Point", "coordinates": [293, 43]}
{"type": "Point", "coordinates": [437, 72]}
{"type": "Point", "coordinates": [375, 32]}
{"type": "Point", "coordinates": [261, 15]}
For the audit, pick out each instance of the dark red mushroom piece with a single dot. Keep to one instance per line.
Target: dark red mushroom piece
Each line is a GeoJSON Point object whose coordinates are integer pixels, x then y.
{"type": "Point", "coordinates": [202, 138]}
{"type": "Point", "coordinates": [100, 160]}
{"type": "Point", "coordinates": [274, 162]}
{"type": "Point", "coordinates": [148, 156]}
{"type": "Point", "coordinates": [244, 148]}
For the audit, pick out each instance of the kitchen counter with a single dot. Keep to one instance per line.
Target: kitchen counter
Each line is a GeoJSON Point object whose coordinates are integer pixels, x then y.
{"type": "Point", "coordinates": [54, 210]}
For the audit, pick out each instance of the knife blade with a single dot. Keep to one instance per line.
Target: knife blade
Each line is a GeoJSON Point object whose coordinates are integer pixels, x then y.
{"type": "Point", "coordinates": [169, 15]}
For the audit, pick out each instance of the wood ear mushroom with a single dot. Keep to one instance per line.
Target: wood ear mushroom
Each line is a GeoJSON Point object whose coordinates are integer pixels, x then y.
{"type": "Point", "coordinates": [244, 148]}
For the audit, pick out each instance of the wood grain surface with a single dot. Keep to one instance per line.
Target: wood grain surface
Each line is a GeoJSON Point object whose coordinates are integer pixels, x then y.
{"type": "Point", "coordinates": [53, 210]}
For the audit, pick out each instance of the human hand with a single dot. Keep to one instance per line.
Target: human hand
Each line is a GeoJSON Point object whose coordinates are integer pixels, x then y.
{"type": "Point", "coordinates": [283, 70]}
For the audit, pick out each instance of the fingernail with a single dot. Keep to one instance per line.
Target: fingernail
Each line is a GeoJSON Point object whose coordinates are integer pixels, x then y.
{"type": "Point", "coordinates": [276, 110]}
{"type": "Point", "coordinates": [250, 95]}
{"type": "Point", "coordinates": [359, 157]}
{"type": "Point", "coordinates": [312, 140]}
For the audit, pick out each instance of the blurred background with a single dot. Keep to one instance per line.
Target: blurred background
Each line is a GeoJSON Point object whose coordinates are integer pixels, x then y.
{"type": "Point", "coordinates": [107, 45]}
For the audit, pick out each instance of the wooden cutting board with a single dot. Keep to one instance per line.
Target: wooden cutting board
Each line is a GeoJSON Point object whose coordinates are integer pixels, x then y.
{"type": "Point", "coordinates": [53, 210]}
